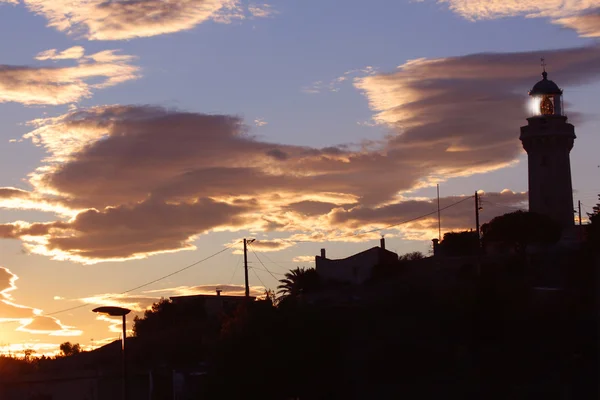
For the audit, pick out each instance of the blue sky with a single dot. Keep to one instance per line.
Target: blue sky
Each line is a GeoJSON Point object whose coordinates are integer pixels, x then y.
{"type": "Point", "coordinates": [315, 102]}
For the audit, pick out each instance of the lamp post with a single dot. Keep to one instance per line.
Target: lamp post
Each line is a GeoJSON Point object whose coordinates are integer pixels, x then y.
{"type": "Point", "coordinates": [118, 312]}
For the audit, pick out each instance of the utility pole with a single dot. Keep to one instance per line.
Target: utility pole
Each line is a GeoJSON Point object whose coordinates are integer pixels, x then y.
{"type": "Point", "coordinates": [246, 243]}
{"type": "Point", "coordinates": [479, 248]}
{"type": "Point", "coordinates": [477, 217]}
{"type": "Point", "coordinates": [246, 268]}
{"type": "Point", "coordinates": [580, 223]}
{"type": "Point", "coordinates": [439, 215]}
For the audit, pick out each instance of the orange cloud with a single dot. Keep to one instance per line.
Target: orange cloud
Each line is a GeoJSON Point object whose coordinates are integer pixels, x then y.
{"type": "Point", "coordinates": [575, 14]}
{"type": "Point", "coordinates": [261, 10]}
{"type": "Point", "coordinates": [31, 320]}
{"type": "Point", "coordinates": [304, 259]}
{"type": "Point", "coordinates": [487, 9]}
{"type": "Point", "coordinates": [41, 324]}
{"type": "Point", "coordinates": [586, 25]}
{"type": "Point", "coordinates": [227, 290]}
{"type": "Point", "coordinates": [120, 20]}
{"type": "Point", "coordinates": [132, 181]}
{"type": "Point", "coordinates": [136, 303]}
{"type": "Point", "coordinates": [63, 85]}
{"type": "Point", "coordinates": [72, 53]}
{"type": "Point", "coordinates": [263, 246]}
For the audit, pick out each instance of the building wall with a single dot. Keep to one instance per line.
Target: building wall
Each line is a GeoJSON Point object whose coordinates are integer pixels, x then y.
{"type": "Point", "coordinates": [548, 142]}
{"type": "Point", "coordinates": [355, 269]}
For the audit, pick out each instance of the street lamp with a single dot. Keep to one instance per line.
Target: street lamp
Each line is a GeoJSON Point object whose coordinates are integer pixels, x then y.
{"type": "Point", "coordinates": [118, 312]}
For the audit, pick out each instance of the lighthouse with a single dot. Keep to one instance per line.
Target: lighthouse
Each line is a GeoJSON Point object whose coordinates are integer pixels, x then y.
{"type": "Point", "coordinates": [548, 139]}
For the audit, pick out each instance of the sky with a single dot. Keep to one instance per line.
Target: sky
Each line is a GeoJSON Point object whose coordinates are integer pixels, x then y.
{"type": "Point", "coordinates": [143, 137]}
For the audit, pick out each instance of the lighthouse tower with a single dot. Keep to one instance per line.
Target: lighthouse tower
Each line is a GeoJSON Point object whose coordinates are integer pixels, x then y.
{"type": "Point", "coordinates": [548, 139]}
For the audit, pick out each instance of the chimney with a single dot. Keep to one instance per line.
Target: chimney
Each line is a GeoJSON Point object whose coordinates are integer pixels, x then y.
{"type": "Point", "coordinates": [323, 253]}
{"type": "Point", "coordinates": [219, 292]}
{"type": "Point", "coordinates": [382, 241]}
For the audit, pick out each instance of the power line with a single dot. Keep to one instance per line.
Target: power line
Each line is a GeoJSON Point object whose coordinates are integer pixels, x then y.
{"type": "Point", "coordinates": [260, 269]}
{"type": "Point", "coordinates": [501, 205]}
{"type": "Point", "coordinates": [273, 262]}
{"type": "Point", "coordinates": [180, 270]}
{"type": "Point", "coordinates": [153, 281]}
{"type": "Point", "coordinates": [389, 226]}
{"type": "Point", "coordinates": [260, 280]}
{"type": "Point", "coordinates": [264, 266]}
{"type": "Point", "coordinates": [235, 270]}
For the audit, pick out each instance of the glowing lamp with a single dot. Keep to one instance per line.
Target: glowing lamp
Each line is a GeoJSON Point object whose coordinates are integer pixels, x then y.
{"type": "Point", "coordinates": [545, 98]}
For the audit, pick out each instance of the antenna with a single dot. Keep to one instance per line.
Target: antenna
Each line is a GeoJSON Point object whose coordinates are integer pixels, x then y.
{"type": "Point", "coordinates": [543, 60]}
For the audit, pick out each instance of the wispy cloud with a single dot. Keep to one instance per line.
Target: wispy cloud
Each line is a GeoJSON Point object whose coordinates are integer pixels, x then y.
{"type": "Point", "coordinates": [72, 53]}
{"type": "Point", "coordinates": [120, 20]}
{"type": "Point", "coordinates": [62, 85]}
{"type": "Point", "coordinates": [581, 15]}
{"type": "Point", "coordinates": [587, 25]}
{"type": "Point", "coordinates": [137, 303]}
{"type": "Point", "coordinates": [210, 290]}
{"type": "Point", "coordinates": [31, 320]}
{"type": "Point", "coordinates": [44, 325]}
{"type": "Point", "coordinates": [304, 259]}
{"type": "Point", "coordinates": [260, 122]}
{"type": "Point", "coordinates": [261, 10]}
{"type": "Point", "coordinates": [334, 85]}
{"type": "Point", "coordinates": [264, 246]}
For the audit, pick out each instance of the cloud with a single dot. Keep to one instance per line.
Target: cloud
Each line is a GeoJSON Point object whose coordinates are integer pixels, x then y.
{"type": "Point", "coordinates": [586, 25]}
{"type": "Point", "coordinates": [260, 122]}
{"type": "Point", "coordinates": [9, 311]}
{"type": "Point", "coordinates": [31, 320]}
{"type": "Point", "coordinates": [121, 20]}
{"type": "Point", "coordinates": [72, 53]}
{"type": "Point", "coordinates": [335, 85]}
{"type": "Point", "coordinates": [311, 208]}
{"type": "Point", "coordinates": [136, 303]}
{"type": "Point", "coordinates": [488, 9]}
{"type": "Point", "coordinates": [581, 15]}
{"type": "Point", "coordinates": [210, 290]}
{"type": "Point", "coordinates": [63, 85]}
{"type": "Point", "coordinates": [264, 246]}
{"type": "Point", "coordinates": [460, 115]}
{"type": "Point", "coordinates": [456, 218]}
{"type": "Point", "coordinates": [45, 325]}
{"type": "Point", "coordinates": [304, 259]}
{"type": "Point", "coordinates": [261, 10]}
{"type": "Point", "coordinates": [142, 180]}
{"type": "Point", "coordinates": [178, 183]}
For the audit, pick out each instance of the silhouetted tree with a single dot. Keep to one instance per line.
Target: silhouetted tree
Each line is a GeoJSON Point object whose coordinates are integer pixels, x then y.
{"type": "Point", "coordinates": [594, 229]}
{"type": "Point", "coordinates": [176, 333]}
{"type": "Point", "coordinates": [595, 209]}
{"type": "Point", "coordinates": [27, 354]}
{"type": "Point", "coordinates": [414, 255]}
{"type": "Point", "coordinates": [298, 281]}
{"type": "Point", "coordinates": [270, 297]}
{"type": "Point", "coordinates": [520, 229]}
{"type": "Point", "coordinates": [457, 244]}
{"type": "Point", "coordinates": [68, 349]}
{"type": "Point", "coordinates": [158, 317]}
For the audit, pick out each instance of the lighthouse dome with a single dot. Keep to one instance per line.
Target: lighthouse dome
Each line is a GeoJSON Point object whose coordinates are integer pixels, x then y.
{"type": "Point", "coordinates": [545, 87]}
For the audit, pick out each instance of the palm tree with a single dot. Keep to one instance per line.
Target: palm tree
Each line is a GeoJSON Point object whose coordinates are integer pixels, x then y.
{"type": "Point", "coordinates": [298, 281]}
